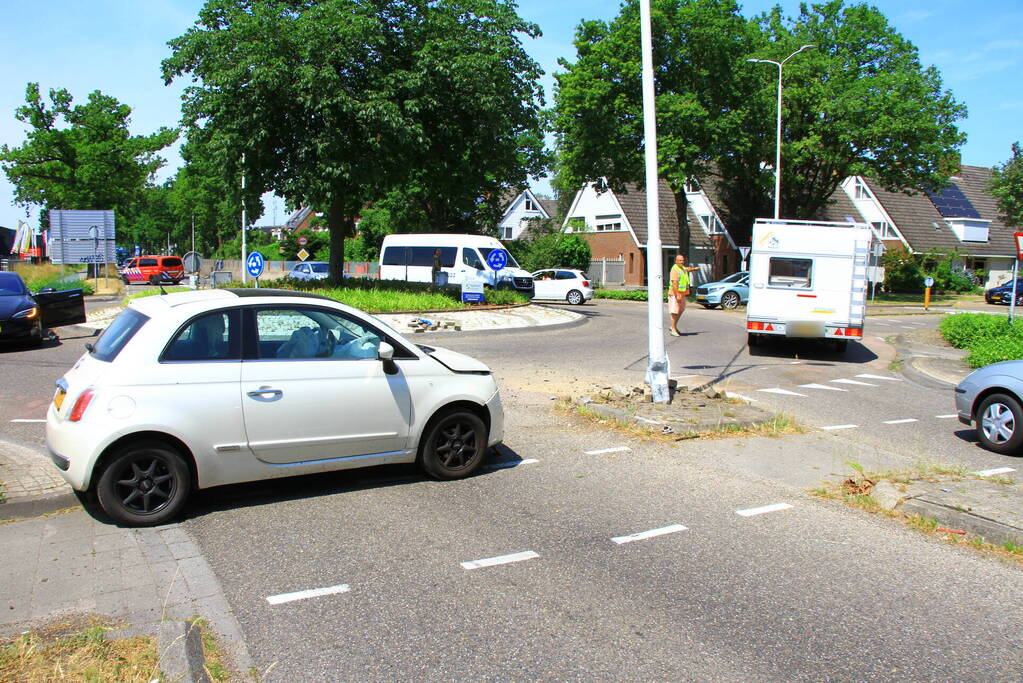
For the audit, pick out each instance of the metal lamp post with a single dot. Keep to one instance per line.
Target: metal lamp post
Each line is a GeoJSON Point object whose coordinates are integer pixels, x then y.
{"type": "Point", "coordinates": [777, 156]}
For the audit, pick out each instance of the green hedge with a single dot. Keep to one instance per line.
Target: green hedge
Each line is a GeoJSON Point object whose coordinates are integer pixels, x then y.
{"type": "Point", "coordinates": [624, 294]}
{"type": "Point", "coordinates": [989, 338]}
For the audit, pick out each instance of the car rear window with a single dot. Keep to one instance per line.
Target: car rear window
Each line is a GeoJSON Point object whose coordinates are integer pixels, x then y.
{"type": "Point", "coordinates": [118, 334]}
{"type": "Point", "coordinates": [172, 262]}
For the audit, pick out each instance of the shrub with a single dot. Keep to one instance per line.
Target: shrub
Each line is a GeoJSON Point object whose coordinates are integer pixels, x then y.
{"type": "Point", "coordinates": [965, 329]}
{"type": "Point", "coordinates": [995, 349]}
{"type": "Point", "coordinates": [623, 294]}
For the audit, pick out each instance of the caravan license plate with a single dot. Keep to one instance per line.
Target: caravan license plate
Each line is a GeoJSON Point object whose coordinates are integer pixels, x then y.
{"type": "Point", "coordinates": [805, 328]}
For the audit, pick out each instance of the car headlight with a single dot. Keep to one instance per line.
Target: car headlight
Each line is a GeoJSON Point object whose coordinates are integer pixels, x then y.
{"type": "Point", "coordinates": [29, 313]}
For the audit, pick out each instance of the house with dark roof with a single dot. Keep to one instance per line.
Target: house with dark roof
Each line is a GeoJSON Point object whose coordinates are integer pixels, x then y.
{"type": "Point", "coordinates": [520, 210]}
{"type": "Point", "coordinates": [614, 224]}
{"type": "Point", "coordinates": [962, 217]}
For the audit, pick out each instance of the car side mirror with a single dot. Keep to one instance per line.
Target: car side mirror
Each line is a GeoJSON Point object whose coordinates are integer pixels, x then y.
{"type": "Point", "coordinates": [47, 290]}
{"type": "Point", "coordinates": [385, 352]}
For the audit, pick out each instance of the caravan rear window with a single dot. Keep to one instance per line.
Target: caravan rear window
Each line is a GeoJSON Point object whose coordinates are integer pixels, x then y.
{"type": "Point", "coordinates": [796, 273]}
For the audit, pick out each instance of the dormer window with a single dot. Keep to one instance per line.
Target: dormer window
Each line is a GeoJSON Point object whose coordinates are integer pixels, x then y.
{"type": "Point", "coordinates": [530, 205]}
{"type": "Point", "coordinates": [860, 190]}
{"type": "Point", "coordinates": [692, 186]}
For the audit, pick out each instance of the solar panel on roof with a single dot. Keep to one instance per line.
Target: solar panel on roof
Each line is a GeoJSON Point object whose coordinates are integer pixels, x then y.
{"type": "Point", "coordinates": [952, 203]}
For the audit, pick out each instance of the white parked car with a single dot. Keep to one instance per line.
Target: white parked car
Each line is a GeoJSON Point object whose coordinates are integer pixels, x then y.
{"type": "Point", "coordinates": [310, 270]}
{"type": "Point", "coordinates": [562, 284]}
{"type": "Point", "coordinates": [199, 389]}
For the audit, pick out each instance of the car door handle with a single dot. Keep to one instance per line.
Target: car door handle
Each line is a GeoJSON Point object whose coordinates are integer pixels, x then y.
{"type": "Point", "coordinates": [263, 391]}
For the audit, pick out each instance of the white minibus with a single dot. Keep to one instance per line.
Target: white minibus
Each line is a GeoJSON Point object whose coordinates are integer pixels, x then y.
{"type": "Point", "coordinates": [463, 258]}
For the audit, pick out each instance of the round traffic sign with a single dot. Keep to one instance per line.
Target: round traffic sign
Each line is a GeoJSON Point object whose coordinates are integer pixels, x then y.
{"type": "Point", "coordinates": [254, 264]}
{"type": "Point", "coordinates": [928, 281]}
{"type": "Point", "coordinates": [302, 241]}
{"type": "Point", "coordinates": [192, 262]}
{"type": "Point", "coordinates": [497, 259]}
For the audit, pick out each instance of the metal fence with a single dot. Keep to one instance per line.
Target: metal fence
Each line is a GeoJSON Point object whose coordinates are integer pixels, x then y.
{"type": "Point", "coordinates": [604, 272]}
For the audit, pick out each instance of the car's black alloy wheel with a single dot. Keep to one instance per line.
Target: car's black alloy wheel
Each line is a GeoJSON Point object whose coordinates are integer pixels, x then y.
{"type": "Point", "coordinates": [145, 484]}
{"type": "Point", "coordinates": [455, 445]}
{"type": "Point", "coordinates": [1000, 424]}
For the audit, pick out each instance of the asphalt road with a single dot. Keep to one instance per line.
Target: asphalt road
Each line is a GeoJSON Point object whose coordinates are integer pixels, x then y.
{"type": "Point", "coordinates": [814, 591]}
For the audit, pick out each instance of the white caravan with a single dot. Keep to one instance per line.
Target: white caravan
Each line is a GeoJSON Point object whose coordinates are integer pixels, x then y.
{"type": "Point", "coordinates": [808, 279]}
{"type": "Point", "coordinates": [462, 257]}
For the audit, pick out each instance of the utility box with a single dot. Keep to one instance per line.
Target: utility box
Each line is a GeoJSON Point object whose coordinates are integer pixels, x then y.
{"type": "Point", "coordinates": [808, 280]}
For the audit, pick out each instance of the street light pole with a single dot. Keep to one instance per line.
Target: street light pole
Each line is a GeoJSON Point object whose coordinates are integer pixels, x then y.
{"type": "Point", "coordinates": [777, 153]}
{"type": "Point", "coordinates": [657, 360]}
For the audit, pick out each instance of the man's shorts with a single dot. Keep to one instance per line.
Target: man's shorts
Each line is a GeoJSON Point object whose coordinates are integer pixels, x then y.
{"type": "Point", "coordinates": [676, 304]}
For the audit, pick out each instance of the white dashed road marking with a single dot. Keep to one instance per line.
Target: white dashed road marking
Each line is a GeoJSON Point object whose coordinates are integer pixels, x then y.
{"type": "Point", "coordinates": [883, 324]}
{"type": "Point", "coordinates": [783, 392]}
{"type": "Point", "coordinates": [761, 510]}
{"type": "Point", "coordinates": [601, 451]}
{"type": "Point", "coordinates": [945, 417]}
{"type": "Point", "coordinates": [500, 559]}
{"type": "Point", "coordinates": [834, 427]}
{"type": "Point", "coordinates": [642, 535]}
{"type": "Point", "coordinates": [24, 419]}
{"type": "Point", "coordinates": [890, 379]}
{"type": "Point", "coordinates": [853, 381]}
{"type": "Point", "coordinates": [821, 386]}
{"type": "Point", "coordinates": [509, 464]}
{"type": "Point", "coordinates": [997, 470]}
{"type": "Point", "coordinates": [311, 593]}
{"type": "Point", "coordinates": [899, 422]}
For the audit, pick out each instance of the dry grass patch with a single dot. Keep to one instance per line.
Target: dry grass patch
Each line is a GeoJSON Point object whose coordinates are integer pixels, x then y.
{"type": "Point", "coordinates": [78, 652]}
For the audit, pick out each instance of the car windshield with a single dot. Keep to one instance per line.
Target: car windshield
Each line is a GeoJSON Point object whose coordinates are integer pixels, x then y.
{"type": "Point", "coordinates": [319, 267]}
{"type": "Point", "coordinates": [11, 284]}
{"type": "Point", "coordinates": [511, 259]}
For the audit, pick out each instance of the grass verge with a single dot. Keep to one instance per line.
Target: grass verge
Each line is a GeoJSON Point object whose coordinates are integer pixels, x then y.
{"type": "Point", "coordinates": [779, 425]}
{"type": "Point", "coordinates": [855, 492]}
{"type": "Point", "coordinates": [77, 652]}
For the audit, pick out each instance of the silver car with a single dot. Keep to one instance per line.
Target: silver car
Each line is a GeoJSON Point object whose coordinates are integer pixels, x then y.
{"type": "Point", "coordinates": [310, 270]}
{"type": "Point", "coordinates": [990, 397]}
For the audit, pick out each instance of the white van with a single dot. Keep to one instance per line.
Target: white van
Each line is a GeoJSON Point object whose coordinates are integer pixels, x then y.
{"type": "Point", "coordinates": [462, 257]}
{"type": "Point", "coordinates": [808, 279]}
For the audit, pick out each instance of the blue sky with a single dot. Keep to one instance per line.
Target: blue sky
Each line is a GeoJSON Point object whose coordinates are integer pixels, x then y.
{"type": "Point", "coordinates": [116, 46]}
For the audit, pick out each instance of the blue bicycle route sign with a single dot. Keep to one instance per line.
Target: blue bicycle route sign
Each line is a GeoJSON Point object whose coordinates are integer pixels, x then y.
{"type": "Point", "coordinates": [254, 264]}
{"type": "Point", "coordinates": [497, 259]}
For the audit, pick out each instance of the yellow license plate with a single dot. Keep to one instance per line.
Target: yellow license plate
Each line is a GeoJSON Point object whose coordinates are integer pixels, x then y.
{"type": "Point", "coordinates": [58, 399]}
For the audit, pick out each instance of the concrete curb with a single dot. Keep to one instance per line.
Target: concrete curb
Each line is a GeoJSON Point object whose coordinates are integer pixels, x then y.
{"type": "Point", "coordinates": [179, 645]}
{"type": "Point", "coordinates": [34, 506]}
{"type": "Point", "coordinates": [655, 425]}
{"type": "Point", "coordinates": [959, 520]}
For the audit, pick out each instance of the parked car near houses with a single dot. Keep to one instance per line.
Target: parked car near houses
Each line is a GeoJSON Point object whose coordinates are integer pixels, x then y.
{"type": "Point", "coordinates": [310, 270]}
{"type": "Point", "coordinates": [25, 317]}
{"type": "Point", "coordinates": [727, 293]}
{"type": "Point", "coordinates": [990, 397]}
{"type": "Point", "coordinates": [153, 270]}
{"type": "Point", "coordinates": [1002, 294]}
{"type": "Point", "coordinates": [204, 388]}
{"type": "Point", "coordinates": [562, 284]}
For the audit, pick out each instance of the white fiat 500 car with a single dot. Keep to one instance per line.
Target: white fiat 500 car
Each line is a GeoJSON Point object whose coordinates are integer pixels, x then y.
{"type": "Point", "coordinates": [199, 389]}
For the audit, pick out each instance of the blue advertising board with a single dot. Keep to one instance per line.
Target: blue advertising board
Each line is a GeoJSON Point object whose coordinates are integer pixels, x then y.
{"type": "Point", "coordinates": [254, 264]}
{"type": "Point", "coordinates": [472, 292]}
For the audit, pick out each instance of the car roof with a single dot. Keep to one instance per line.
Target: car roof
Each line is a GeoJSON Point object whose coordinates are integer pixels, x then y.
{"type": "Point", "coordinates": [210, 298]}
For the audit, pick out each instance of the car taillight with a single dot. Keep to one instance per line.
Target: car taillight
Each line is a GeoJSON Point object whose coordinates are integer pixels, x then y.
{"type": "Point", "coordinates": [84, 399]}
{"type": "Point", "coordinates": [586, 283]}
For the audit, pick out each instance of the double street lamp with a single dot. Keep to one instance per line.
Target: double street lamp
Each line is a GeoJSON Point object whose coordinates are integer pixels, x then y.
{"type": "Point", "coordinates": [777, 156]}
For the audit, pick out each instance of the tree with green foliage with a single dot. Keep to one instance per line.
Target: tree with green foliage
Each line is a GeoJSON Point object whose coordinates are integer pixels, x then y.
{"type": "Point", "coordinates": [80, 156]}
{"type": "Point", "coordinates": [547, 247]}
{"type": "Point", "coordinates": [335, 103]}
{"type": "Point", "coordinates": [1007, 187]}
{"type": "Point", "coordinates": [700, 47]}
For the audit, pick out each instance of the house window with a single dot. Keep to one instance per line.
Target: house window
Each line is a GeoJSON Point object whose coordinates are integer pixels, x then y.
{"type": "Point", "coordinates": [632, 261]}
{"type": "Point", "coordinates": [713, 224]}
{"type": "Point", "coordinates": [507, 233]}
{"type": "Point", "coordinates": [692, 186]}
{"type": "Point", "coordinates": [609, 226]}
{"type": "Point", "coordinates": [530, 205]}
{"type": "Point", "coordinates": [885, 230]}
{"type": "Point", "coordinates": [860, 191]}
